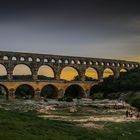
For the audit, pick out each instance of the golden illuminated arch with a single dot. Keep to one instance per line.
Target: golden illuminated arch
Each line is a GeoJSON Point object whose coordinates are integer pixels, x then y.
{"type": "Point", "coordinates": [3, 70]}
{"type": "Point", "coordinates": [123, 70]}
{"type": "Point", "coordinates": [91, 72]}
{"type": "Point", "coordinates": [46, 70]}
{"type": "Point", "coordinates": [108, 72]}
{"type": "Point", "coordinates": [22, 69]}
{"type": "Point", "coordinates": [68, 73]}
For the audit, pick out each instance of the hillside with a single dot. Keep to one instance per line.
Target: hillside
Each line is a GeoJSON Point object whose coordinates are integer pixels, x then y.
{"type": "Point", "coordinates": [126, 87]}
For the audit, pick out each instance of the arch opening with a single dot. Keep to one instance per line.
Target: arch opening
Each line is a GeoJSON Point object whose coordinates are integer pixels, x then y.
{"type": "Point", "coordinates": [49, 91]}
{"type": "Point", "coordinates": [3, 72]}
{"type": "Point", "coordinates": [24, 92]}
{"type": "Point", "coordinates": [123, 70]}
{"type": "Point", "coordinates": [45, 72]}
{"type": "Point", "coordinates": [91, 74]}
{"type": "Point", "coordinates": [107, 73]}
{"type": "Point", "coordinates": [74, 91]}
{"type": "Point", "coordinates": [3, 91]}
{"type": "Point", "coordinates": [22, 71]}
{"type": "Point", "coordinates": [69, 74]}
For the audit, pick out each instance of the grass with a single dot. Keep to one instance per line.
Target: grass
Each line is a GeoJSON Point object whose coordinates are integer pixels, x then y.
{"type": "Point", "coordinates": [27, 126]}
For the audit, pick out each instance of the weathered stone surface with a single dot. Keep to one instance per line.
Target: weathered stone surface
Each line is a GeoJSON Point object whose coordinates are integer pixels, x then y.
{"type": "Point", "coordinates": [57, 63]}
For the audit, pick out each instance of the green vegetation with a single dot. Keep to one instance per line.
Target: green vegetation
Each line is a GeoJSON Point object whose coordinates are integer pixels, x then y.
{"type": "Point", "coordinates": [67, 99]}
{"type": "Point", "coordinates": [87, 78]}
{"type": "Point", "coordinates": [26, 126]}
{"type": "Point", "coordinates": [28, 77]}
{"type": "Point", "coordinates": [113, 88]}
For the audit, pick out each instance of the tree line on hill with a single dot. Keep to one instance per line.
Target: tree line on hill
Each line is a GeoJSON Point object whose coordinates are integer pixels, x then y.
{"type": "Point", "coordinates": [127, 83]}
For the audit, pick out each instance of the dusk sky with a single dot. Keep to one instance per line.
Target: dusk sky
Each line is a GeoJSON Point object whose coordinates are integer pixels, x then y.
{"type": "Point", "coordinates": [92, 28]}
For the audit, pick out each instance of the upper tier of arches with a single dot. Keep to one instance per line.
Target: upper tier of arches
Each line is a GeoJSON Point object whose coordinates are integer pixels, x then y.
{"type": "Point", "coordinates": [65, 60]}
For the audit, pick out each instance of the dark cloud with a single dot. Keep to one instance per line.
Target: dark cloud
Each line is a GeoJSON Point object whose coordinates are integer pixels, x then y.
{"type": "Point", "coordinates": [97, 28]}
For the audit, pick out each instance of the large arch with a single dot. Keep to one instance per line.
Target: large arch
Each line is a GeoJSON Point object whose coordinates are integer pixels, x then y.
{"type": "Point", "coordinates": [69, 73]}
{"type": "Point", "coordinates": [74, 91]}
{"type": "Point", "coordinates": [22, 71]}
{"type": "Point", "coordinates": [3, 72]}
{"type": "Point", "coordinates": [3, 91]}
{"type": "Point", "coordinates": [49, 91]}
{"type": "Point", "coordinates": [91, 74]}
{"type": "Point", "coordinates": [24, 91]}
{"type": "Point", "coordinates": [45, 72]}
{"type": "Point", "coordinates": [108, 72]}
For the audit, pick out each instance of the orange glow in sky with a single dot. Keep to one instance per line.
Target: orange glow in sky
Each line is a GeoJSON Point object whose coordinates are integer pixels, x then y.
{"type": "Point", "coordinates": [107, 72]}
{"type": "Point", "coordinates": [46, 71]}
{"type": "Point", "coordinates": [68, 73]}
{"type": "Point", "coordinates": [90, 72]}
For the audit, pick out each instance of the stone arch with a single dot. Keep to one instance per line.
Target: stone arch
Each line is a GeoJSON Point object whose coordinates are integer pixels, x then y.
{"type": "Point", "coordinates": [22, 58]}
{"type": "Point", "coordinates": [78, 62]}
{"type": "Point", "coordinates": [113, 64]}
{"type": "Point", "coordinates": [102, 63]}
{"type": "Point", "coordinates": [46, 72]}
{"type": "Point", "coordinates": [108, 72]}
{"type": "Point", "coordinates": [38, 59]}
{"type": "Point", "coordinates": [96, 63]}
{"type": "Point", "coordinates": [46, 60]}
{"type": "Point", "coordinates": [60, 61]}
{"type": "Point", "coordinates": [3, 72]}
{"type": "Point", "coordinates": [5, 57]}
{"type": "Point", "coordinates": [14, 58]}
{"type": "Point", "coordinates": [24, 91]}
{"type": "Point", "coordinates": [91, 74]}
{"type": "Point", "coordinates": [53, 60]}
{"type": "Point", "coordinates": [72, 62]}
{"type": "Point", "coordinates": [90, 63]}
{"type": "Point", "coordinates": [30, 59]}
{"type": "Point", "coordinates": [136, 65]}
{"type": "Point", "coordinates": [84, 62]}
{"type": "Point", "coordinates": [3, 91]}
{"type": "Point", "coordinates": [66, 61]}
{"type": "Point", "coordinates": [22, 71]}
{"type": "Point", "coordinates": [74, 91]}
{"type": "Point", "coordinates": [107, 64]}
{"type": "Point", "coordinates": [69, 73]}
{"type": "Point", "coordinates": [49, 91]}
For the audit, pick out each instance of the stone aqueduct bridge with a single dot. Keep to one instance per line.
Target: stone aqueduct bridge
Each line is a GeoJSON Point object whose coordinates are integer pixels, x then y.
{"type": "Point", "coordinates": [57, 62]}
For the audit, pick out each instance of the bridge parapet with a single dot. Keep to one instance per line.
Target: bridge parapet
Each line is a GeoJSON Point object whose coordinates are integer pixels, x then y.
{"type": "Point", "coordinates": [57, 63]}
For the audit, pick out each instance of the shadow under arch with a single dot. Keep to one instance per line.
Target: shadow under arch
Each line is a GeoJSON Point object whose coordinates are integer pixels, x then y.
{"type": "Point", "coordinates": [24, 91]}
{"type": "Point", "coordinates": [3, 72]}
{"type": "Point", "coordinates": [69, 73]}
{"type": "Point", "coordinates": [108, 72]}
{"type": "Point", "coordinates": [91, 74]}
{"type": "Point", "coordinates": [74, 91]}
{"type": "Point", "coordinates": [3, 91]}
{"type": "Point", "coordinates": [22, 71]}
{"type": "Point", "coordinates": [49, 91]}
{"type": "Point", "coordinates": [94, 89]}
{"type": "Point", "coordinates": [45, 72]}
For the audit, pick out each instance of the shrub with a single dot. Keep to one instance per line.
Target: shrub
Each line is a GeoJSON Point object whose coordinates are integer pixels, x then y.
{"type": "Point", "coordinates": [69, 99]}
{"type": "Point", "coordinates": [136, 103]}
